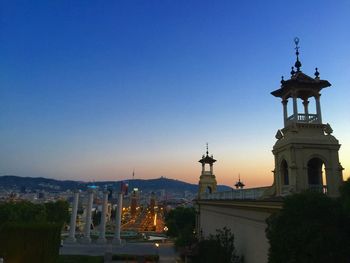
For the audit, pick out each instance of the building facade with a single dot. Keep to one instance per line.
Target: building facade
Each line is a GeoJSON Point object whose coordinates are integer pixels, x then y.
{"type": "Point", "coordinates": [306, 158]}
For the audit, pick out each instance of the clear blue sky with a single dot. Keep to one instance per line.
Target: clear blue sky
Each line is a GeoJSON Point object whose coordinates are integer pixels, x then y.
{"type": "Point", "coordinates": [90, 90]}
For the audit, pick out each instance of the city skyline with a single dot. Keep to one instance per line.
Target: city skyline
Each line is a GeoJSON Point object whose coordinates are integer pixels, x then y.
{"type": "Point", "coordinates": [92, 91]}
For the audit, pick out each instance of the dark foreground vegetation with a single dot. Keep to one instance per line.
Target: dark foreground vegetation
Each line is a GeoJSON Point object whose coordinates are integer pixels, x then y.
{"type": "Point", "coordinates": [311, 228]}
{"type": "Point", "coordinates": [216, 248]}
{"type": "Point", "coordinates": [31, 233]}
{"type": "Point", "coordinates": [100, 259]}
{"type": "Point", "coordinates": [79, 259]}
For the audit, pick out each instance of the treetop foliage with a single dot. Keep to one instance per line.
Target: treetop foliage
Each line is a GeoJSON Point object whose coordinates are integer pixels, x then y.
{"type": "Point", "coordinates": [311, 227]}
{"type": "Point", "coordinates": [27, 212]}
{"type": "Point", "coordinates": [181, 222]}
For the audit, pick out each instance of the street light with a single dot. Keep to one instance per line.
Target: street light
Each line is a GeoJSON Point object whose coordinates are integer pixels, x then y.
{"type": "Point", "coordinates": [157, 248]}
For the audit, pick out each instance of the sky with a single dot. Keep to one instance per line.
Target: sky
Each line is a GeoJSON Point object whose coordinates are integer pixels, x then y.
{"type": "Point", "coordinates": [90, 90]}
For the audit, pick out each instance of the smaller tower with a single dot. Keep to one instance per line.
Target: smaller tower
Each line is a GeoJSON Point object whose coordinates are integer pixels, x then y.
{"type": "Point", "coordinates": [239, 184]}
{"type": "Point", "coordinates": [207, 181]}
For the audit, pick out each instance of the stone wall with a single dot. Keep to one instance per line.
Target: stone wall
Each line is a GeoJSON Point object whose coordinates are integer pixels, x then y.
{"type": "Point", "coordinates": [247, 221]}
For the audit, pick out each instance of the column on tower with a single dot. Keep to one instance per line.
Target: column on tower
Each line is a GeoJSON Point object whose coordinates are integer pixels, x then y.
{"type": "Point", "coordinates": [318, 108]}
{"type": "Point", "coordinates": [285, 111]}
{"type": "Point", "coordinates": [295, 107]}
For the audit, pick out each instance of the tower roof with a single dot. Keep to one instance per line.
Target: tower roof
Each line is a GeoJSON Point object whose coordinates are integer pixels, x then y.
{"type": "Point", "coordinates": [300, 84]}
{"type": "Point", "coordinates": [206, 158]}
{"type": "Point", "coordinates": [239, 184]}
{"type": "Point", "coordinates": [305, 86]}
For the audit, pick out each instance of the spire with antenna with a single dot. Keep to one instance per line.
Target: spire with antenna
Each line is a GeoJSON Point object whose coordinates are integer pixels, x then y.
{"type": "Point", "coordinates": [207, 149]}
{"type": "Point", "coordinates": [297, 63]}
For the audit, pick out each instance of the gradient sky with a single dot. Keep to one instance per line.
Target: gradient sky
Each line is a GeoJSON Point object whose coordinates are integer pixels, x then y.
{"type": "Point", "coordinates": [90, 90]}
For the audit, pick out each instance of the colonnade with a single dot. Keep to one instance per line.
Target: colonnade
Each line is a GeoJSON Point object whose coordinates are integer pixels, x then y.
{"type": "Point", "coordinates": [87, 228]}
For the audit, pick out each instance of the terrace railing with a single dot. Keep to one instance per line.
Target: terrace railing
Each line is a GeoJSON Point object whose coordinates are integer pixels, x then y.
{"type": "Point", "coordinates": [305, 118]}
{"type": "Point", "coordinates": [236, 194]}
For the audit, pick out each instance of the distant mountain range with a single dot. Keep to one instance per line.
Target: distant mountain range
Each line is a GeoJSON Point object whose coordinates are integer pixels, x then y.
{"type": "Point", "coordinates": [40, 183]}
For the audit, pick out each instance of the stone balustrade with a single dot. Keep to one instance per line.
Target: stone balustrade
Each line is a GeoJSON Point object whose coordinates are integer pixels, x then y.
{"type": "Point", "coordinates": [236, 194]}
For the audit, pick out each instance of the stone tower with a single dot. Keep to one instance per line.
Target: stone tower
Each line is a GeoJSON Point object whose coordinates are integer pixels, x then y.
{"type": "Point", "coordinates": [306, 154]}
{"type": "Point", "coordinates": [207, 181]}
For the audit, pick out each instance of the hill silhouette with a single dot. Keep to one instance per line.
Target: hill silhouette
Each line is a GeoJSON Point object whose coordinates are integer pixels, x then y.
{"type": "Point", "coordinates": [41, 183]}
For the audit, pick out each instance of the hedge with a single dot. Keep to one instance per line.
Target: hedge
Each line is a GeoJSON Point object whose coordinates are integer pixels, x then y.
{"type": "Point", "coordinates": [30, 242]}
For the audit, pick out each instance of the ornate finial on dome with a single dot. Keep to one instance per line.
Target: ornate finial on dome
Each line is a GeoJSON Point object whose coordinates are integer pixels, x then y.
{"type": "Point", "coordinates": [292, 72]}
{"type": "Point", "coordinates": [282, 80]}
{"type": "Point", "coordinates": [317, 74]}
{"type": "Point", "coordinates": [297, 63]}
{"type": "Point", "coordinates": [207, 149]}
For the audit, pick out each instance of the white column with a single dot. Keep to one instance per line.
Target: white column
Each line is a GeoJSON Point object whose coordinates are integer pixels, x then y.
{"type": "Point", "coordinates": [295, 108]}
{"type": "Point", "coordinates": [285, 112]}
{"type": "Point", "coordinates": [87, 229]}
{"type": "Point", "coordinates": [211, 168]}
{"type": "Point", "coordinates": [318, 108]}
{"type": "Point", "coordinates": [102, 237]}
{"type": "Point", "coordinates": [203, 167]}
{"type": "Point", "coordinates": [118, 218]}
{"type": "Point", "coordinates": [73, 218]}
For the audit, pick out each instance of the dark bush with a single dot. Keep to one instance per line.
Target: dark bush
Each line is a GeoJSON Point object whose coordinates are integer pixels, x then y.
{"type": "Point", "coordinates": [311, 227]}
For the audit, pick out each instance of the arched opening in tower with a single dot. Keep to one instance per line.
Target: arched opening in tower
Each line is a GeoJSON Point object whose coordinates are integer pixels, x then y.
{"type": "Point", "coordinates": [284, 172]}
{"type": "Point", "coordinates": [316, 175]}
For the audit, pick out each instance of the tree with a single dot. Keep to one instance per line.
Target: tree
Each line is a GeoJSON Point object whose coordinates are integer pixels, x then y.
{"type": "Point", "coordinates": [218, 248]}
{"type": "Point", "coordinates": [311, 227]}
{"type": "Point", "coordinates": [181, 222]}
